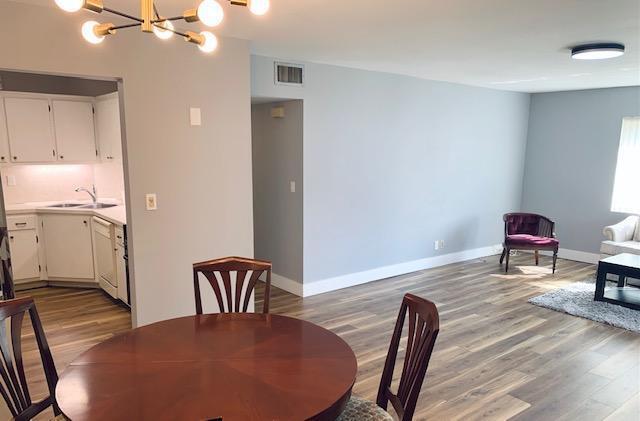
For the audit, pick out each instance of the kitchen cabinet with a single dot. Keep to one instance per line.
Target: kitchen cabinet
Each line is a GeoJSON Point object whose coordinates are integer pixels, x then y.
{"type": "Point", "coordinates": [74, 130]}
{"type": "Point", "coordinates": [29, 129]}
{"type": "Point", "coordinates": [108, 127]}
{"type": "Point", "coordinates": [23, 246]}
{"type": "Point", "coordinates": [105, 248]}
{"type": "Point", "coordinates": [121, 266]}
{"type": "Point", "coordinates": [68, 246]}
{"type": "Point", "coordinates": [4, 140]}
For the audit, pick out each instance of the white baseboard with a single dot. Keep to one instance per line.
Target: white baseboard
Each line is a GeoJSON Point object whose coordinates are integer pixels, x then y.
{"type": "Point", "coordinates": [579, 256]}
{"type": "Point", "coordinates": [358, 278]}
{"type": "Point", "coordinates": [352, 279]}
{"type": "Point", "coordinates": [286, 284]}
{"type": "Point", "coordinates": [575, 255]}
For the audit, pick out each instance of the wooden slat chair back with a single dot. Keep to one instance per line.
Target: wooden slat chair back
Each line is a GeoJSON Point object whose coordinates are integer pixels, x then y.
{"type": "Point", "coordinates": [13, 385]}
{"type": "Point", "coordinates": [232, 298]}
{"type": "Point", "coordinates": [421, 337]}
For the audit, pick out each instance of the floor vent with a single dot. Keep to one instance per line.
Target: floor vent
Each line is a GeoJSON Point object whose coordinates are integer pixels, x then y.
{"type": "Point", "coordinates": [289, 74]}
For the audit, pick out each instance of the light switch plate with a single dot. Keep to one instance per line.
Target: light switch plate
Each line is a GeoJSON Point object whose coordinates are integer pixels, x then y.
{"type": "Point", "coordinates": [11, 180]}
{"type": "Point", "coordinates": [151, 201]}
{"type": "Point", "coordinates": [292, 186]}
{"type": "Point", "coordinates": [194, 116]}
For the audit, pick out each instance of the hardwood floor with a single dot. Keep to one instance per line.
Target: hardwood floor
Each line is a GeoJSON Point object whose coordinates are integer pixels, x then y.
{"type": "Point", "coordinates": [74, 320]}
{"type": "Point", "coordinates": [497, 357]}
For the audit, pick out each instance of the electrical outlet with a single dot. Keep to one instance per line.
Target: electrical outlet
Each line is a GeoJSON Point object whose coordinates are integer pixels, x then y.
{"type": "Point", "coordinates": [151, 201]}
{"type": "Point", "coordinates": [441, 244]}
{"type": "Point", "coordinates": [11, 180]}
{"type": "Point", "coordinates": [438, 244]}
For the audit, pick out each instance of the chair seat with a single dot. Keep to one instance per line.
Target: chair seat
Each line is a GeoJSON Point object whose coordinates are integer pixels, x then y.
{"type": "Point", "coordinates": [528, 240]}
{"type": "Point", "coordinates": [359, 409]}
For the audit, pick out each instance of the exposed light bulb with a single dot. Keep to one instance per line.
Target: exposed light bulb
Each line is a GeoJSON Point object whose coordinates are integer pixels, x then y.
{"type": "Point", "coordinates": [163, 33]}
{"type": "Point", "coordinates": [70, 5]}
{"type": "Point", "coordinates": [210, 12]}
{"type": "Point", "coordinates": [210, 42]}
{"type": "Point", "coordinates": [258, 7]}
{"type": "Point", "coordinates": [89, 33]}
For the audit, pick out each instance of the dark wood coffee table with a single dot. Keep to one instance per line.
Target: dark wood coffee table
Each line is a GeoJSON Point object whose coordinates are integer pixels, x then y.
{"type": "Point", "coordinates": [622, 265]}
{"type": "Point", "coordinates": [235, 366]}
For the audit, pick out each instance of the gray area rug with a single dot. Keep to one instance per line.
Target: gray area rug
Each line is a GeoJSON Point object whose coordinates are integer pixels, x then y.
{"type": "Point", "coordinates": [577, 299]}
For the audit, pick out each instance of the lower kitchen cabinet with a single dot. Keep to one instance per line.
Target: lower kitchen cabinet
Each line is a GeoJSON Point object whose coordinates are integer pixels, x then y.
{"type": "Point", "coordinates": [68, 246]}
{"type": "Point", "coordinates": [23, 245]}
{"type": "Point", "coordinates": [24, 248]}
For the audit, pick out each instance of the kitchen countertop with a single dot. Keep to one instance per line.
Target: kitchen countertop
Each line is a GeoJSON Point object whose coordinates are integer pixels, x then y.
{"type": "Point", "coordinates": [116, 214]}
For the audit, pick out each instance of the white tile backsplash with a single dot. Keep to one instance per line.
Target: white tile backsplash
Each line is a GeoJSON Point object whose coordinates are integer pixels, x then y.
{"type": "Point", "coordinates": [41, 183]}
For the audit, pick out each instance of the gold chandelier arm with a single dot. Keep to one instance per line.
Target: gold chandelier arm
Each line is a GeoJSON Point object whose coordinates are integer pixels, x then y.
{"type": "Point", "coordinates": [124, 15]}
{"type": "Point", "coordinates": [177, 32]}
{"type": "Point", "coordinates": [94, 5]}
{"type": "Point", "coordinates": [194, 38]}
{"type": "Point", "coordinates": [129, 25]}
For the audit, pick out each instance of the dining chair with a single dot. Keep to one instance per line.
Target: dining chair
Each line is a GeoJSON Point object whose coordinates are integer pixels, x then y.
{"type": "Point", "coordinates": [232, 298]}
{"type": "Point", "coordinates": [528, 231]}
{"type": "Point", "coordinates": [421, 337]}
{"type": "Point", "coordinates": [14, 387]}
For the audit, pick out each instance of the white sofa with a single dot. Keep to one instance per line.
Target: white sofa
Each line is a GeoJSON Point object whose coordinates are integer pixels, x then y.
{"type": "Point", "coordinates": [623, 237]}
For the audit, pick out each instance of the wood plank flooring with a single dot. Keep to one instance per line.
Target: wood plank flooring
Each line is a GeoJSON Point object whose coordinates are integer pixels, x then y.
{"type": "Point", "coordinates": [497, 357]}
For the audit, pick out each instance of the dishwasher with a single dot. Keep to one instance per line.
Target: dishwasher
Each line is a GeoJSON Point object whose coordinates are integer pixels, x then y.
{"type": "Point", "coordinates": [105, 249]}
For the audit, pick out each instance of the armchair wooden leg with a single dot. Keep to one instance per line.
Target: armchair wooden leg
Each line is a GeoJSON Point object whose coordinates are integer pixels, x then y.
{"type": "Point", "coordinates": [504, 250]}
{"type": "Point", "coordinates": [506, 266]}
{"type": "Point", "coordinates": [555, 258]}
{"type": "Point", "coordinates": [537, 257]}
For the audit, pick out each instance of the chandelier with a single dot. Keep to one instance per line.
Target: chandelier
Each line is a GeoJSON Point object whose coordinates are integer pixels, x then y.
{"type": "Point", "coordinates": [209, 12]}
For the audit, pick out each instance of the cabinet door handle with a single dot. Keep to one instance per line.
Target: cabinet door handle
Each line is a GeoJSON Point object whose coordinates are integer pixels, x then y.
{"type": "Point", "coordinates": [11, 237]}
{"type": "Point", "coordinates": [15, 157]}
{"type": "Point", "coordinates": [84, 222]}
{"type": "Point", "coordinates": [61, 157]}
{"type": "Point", "coordinates": [21, 223]}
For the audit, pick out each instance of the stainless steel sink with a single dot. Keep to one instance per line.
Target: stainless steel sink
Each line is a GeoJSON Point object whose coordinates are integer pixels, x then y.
{"type": "Point", "coordinates": [65, 205]}
{"type": "Point", "coordinates": [97, 206]}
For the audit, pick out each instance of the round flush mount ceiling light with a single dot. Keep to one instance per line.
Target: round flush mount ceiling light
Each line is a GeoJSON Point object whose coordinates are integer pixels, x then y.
{"type": "Point", "coordinates": [597, 51]}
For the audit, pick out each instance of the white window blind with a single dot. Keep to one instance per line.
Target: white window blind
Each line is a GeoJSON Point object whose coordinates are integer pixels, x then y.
{"type": "Point", "coordinates": [626, 187]}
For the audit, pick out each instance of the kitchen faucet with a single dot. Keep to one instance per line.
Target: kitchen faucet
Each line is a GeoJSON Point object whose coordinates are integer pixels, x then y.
{"type": "Point", "coordinates": [94, 195]}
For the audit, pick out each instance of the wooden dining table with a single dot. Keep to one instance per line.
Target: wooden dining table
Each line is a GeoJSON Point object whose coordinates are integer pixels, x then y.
{"type": "Point", "coordinates": [234, 366]}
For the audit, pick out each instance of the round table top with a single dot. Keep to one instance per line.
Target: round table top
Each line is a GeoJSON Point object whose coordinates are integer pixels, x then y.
{"type": "Point", "coordinates": [236, 366]}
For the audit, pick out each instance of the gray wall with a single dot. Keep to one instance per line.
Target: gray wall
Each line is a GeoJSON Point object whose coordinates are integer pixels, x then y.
{"type": "Point", "coordinates": [277, 213]}
{"type": "Point", "coordinates": [392, 163]}
{"type": "Point", "coordinates": [50, 84]}
{"type": "Point", "coordinates": [202, 175]}
{"type": "Point", "coordinates": [571, 160]}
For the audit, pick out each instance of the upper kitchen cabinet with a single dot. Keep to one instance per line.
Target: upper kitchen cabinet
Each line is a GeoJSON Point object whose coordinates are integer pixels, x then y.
{"type": "Point", "coordinates": [29, 129]}
{"type": "Point", "coordinates": [4, 141]}
{"type": "Point", "coordinates": [74, 130]}
{"type": "Point", "coordinates": [108, 127]}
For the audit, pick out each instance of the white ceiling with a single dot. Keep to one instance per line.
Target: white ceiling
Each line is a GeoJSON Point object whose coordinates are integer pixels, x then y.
{"type": "Point", "coordinates": [519, 45]}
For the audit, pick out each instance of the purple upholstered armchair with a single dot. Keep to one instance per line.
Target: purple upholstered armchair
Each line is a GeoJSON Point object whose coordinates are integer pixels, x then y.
{"type": "Point", "coordinates": [528, 231]}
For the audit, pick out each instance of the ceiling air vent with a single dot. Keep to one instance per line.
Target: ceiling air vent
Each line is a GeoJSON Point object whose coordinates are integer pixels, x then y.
{"type": "Point", "coordinates": [289, 74]}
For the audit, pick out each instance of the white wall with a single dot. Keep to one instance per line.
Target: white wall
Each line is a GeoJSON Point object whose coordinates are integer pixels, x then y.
{"type": "Point", "coordinates": [392, 163]}
{"type": "Point", "coordinates": [572, 151]}
{"type": "Point", "coordinates": [202, 175]}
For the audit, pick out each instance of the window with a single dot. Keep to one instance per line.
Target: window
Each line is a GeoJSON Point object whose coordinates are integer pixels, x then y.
{"type": "Point", "coordinates": [626, 188]}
